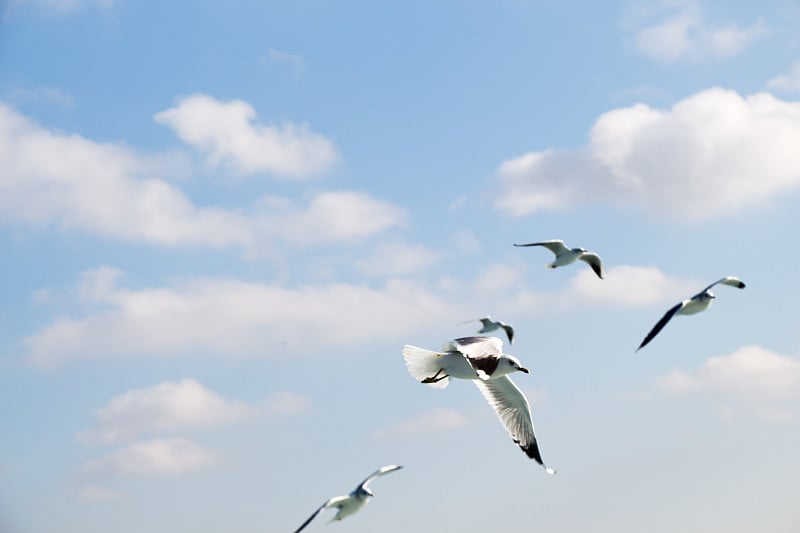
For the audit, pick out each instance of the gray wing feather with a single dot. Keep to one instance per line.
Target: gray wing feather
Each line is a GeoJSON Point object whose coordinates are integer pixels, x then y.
{"type": "Point", "coordinates": [329, 503]}
{"type": "Point", "coordinates": [379, 472]}
{"type": "Point", "coordinates": [555, 246]}
{"type": "Point", "coordinates": [595, 262]}
{"type": "Point", "coordinates": [727, 280]}
{"type": "Point", "coordinates": [514, 412]}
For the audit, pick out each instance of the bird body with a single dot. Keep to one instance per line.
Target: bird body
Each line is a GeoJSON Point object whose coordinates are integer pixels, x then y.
{"type": "Point", "coordinates": [565, 255]}
{"type": "Point", "coordinates": [697, 303]}
{"type": "Point", "coordinates": [353, 502]}
{"type": "Point", "coordinates": [481, 360]}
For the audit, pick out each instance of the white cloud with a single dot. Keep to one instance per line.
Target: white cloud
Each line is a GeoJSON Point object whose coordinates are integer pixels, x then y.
{"type": "Point", "coordinates": [167, 406]}
{"type": "Point", "coordinates": [398, 259]}
{"type": "Point", "coordinates": [226, 316]}
{"type": "Point", "coordinates": [789, 82]}
{"type": "Point", "coordinates": [628, 286]}
{"type": "Point", "coordinates": [152, 457]}
{"type": "Point", "coordinates": [41, 94]}
{"type": "Point", "coordinates": [751, 371]}
{"type": "Point", "coordinates": [286, 404]}
{"type": "Point", "coordinates": [432, 421]}
{"type": "Point", "coordinates": [680, 32]}
{"type": "Point", "coordinates": [226, 133]}
{"type": "Point", "coordinates": [752, 375]}
{"type": "Point", "coordinates": [329, 217]}
{"type": "Point", "coordinates": [713, 153]}
{"type": "Point", "coordinates": [54, 178]}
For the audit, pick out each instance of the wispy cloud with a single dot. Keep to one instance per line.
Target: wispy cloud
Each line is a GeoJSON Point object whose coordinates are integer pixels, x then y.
{"type": "Point", "coordinates": [433, 421]}
{"type": "Point", "coordinates": [712, 154]}
{"type": "Point", "coordinates": [225, 132]}
{"type": "Point", "coordinates": [398, 259]}
{"type": "Point", "coordinates": [227, 316]}
{"type": "Point", "coordinates": [294, 62]}
{"type": "Point", "coordinates": [788, 82]}
{"type": "Point", "coordinates": [152, 457]}
{"type": "Point", "coordinates": [164, 407]}
{"type": "Point", "coordinates": [54, 96]}
{"type": "Point", "coordinates": [59, 6]}
{"type": "Point", "coordinates": [752, 376]}
{"type": "Point", "coordinates": [677, 30]}
{"type": "Point", "coordinates": [53, 178]}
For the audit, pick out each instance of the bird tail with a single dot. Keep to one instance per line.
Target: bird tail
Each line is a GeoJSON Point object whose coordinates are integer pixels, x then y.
{"type": "Point", "coordinates": [425, 364]}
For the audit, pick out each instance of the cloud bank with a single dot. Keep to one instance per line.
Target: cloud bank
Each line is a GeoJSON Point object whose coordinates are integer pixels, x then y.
{"type": "Point", "coordinates": [52, 178]}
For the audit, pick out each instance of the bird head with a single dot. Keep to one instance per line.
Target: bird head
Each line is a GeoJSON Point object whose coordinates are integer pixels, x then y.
{"type": "Point", "coordinates": [513, 365]}
{"type": "Point", "coordinates": [365, 491]}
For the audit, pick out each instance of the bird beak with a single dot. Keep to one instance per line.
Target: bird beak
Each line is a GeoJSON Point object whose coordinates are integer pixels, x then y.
{"type": "Point", "coordinates": [523, 369]}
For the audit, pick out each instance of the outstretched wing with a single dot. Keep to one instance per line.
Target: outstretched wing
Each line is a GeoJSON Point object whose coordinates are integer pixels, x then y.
{"type": "Point", "coordinates": [509, 332]}
{"type": "Point", "coordinates": [660, 325]}
{"type": "Point", "coordinates": [379, 472]}
{"type": "Point", "coordinates": [514, 412]}
{"type": "Point", "coordinates": [555, 246]}
{"type": "Point", "coordinates": [333, 502]}
{"type": "Point", "coordinates": [476, 346]}
{"type": "Point", "coordinates": [727, 280]}
{"type": "Point", "coordinates": [595, 262]}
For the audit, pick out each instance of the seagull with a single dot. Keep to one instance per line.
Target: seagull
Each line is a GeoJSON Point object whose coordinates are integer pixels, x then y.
{"type": "Point", "coordinates": [565, 256]}
{"type": "Point", "coordinates": [481, 359]}
{"type": "Point", "coordinates": [352, 502]}
{"type": "Point", "coordinates": [695, 304]}
{"type": "Point", "coordinates": [490, 325]}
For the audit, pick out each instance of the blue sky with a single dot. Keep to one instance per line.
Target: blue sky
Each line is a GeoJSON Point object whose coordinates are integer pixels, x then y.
{"type": "Point", "coordinates": [220, 223]}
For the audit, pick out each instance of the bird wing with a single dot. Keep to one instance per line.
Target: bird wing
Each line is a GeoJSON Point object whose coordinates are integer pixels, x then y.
{"type": "Point", "coordinates": [595, 262]}
{"type": "Point", "coordinates": [509, 332]}
{"type": "Point", "coordinates": [482, 353]}
{"type": "Point", "coordinates": [557, 247]}
{"type": "Point", "coordinates": [379, 472]}
{"type": "Point", "coordinates": [727, 280]}
{"type": "Point", "coordinates": [477, 346]}
{"type": "Point", "coordinates": [333, 502]}
{"type": "Point", "coordinates": [660, 324]}
{"type": "Point", "coordinates": [514, 412]}
{"type": "Point", "coordinates": [487, 322]}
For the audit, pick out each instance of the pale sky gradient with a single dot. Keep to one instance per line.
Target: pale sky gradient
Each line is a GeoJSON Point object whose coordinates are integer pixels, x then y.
{"type": "Point", "coordinates": [220, 223]}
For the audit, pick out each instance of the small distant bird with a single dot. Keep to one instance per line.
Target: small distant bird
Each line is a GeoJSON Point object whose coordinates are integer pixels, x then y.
{"type": "Point", "coordinates": [565, 256]}
{"type": "Point", "coordinates": [695, 304]}
{"type": "Point", "coordinates": [490, 325]}
{"type": "Point", "coordinates": [481, 359]}
{"type": "Point", "coordinates": [354, 501]}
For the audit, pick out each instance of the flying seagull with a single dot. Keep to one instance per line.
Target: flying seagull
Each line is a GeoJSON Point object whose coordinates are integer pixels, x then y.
{"type": "Point", "coordinates": [565, 256]}
{"type": "Point", "coordinates": [490, 325]}
{"type": "Point", "coordinates": [481, 359]}
{"type": "Point", "coordinates": [695, 304]}
{"type": "Point", "coordinates": [354, 501]}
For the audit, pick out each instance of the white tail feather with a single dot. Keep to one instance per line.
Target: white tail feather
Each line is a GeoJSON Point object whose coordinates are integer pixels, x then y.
{"type": "Point", "coordinates": [423, 364]}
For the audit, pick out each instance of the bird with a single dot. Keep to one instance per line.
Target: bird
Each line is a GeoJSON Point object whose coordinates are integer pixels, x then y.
{"type": "Point", "coordinates": [481, 360]}
{"type": "Point", "coordinates": [353, 502]}
{"type": "Point", "coordinates": [490, 325]}
{"type": "Point", "coordinates": [695, 304]}
{"type": "Point", "coordinates": [565, 256]}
